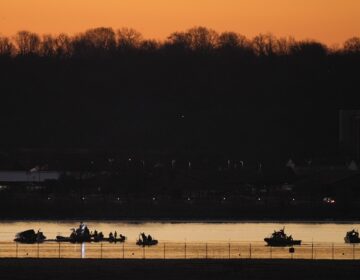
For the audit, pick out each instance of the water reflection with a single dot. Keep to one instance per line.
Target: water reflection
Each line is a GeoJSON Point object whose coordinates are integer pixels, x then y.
{"type": "Point", "coordinates": [191, 232]}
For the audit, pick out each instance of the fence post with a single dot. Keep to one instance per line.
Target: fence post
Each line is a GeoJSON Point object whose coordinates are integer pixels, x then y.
{"type": "Point", "coordinates": [123, 250]}
{"type": "Point", "coordinates": [270, 252]}
{"type": "Point", "coordinates": [143, 251]}
{"type": "Point", "coordinates": [101, 250]}
{"type": "Point", "coordinates": [354, 251]}
{"type": "Point", "coordinates": [185, 249]}
{"type": "Point", "coordinates": [164, 251]}
{"type": "Point", "coordinates": [206, 251]}
{"type": "Point", "coordinates": [17, 250]}
{"type": "Point", "coordinates": [59, 250]}
{"type": "Point", "coordinates": [312, 250]}
{"type": "Point", "coordinates": [38, 250]}
{"type": "Point", "coordinates": [332, 251]}
{"type": "Point", "coordinates": [229, 251]}
{"type": "Point", "coordinates": [250, 251]}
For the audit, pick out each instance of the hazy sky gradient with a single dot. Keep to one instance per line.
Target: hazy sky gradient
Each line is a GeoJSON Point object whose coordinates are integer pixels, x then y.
{"type": "Point", "coordinates": [330, 21]}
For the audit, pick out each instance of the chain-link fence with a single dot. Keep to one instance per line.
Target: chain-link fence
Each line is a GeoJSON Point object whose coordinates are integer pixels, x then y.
{"type": "Point", "coordinates": [185, 250]}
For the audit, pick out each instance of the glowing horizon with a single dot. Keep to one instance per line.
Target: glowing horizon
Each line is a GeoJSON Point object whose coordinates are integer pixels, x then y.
{"type": "Point", "coordinates": [328, 21]}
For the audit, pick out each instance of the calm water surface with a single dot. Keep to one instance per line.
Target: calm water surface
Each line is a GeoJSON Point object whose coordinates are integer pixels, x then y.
{"type": "Point", "coordinates": [189, 231]}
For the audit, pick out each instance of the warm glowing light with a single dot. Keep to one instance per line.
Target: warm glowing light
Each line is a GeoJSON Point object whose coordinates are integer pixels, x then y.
{"type": "Point", "coordinates": [330, 21]}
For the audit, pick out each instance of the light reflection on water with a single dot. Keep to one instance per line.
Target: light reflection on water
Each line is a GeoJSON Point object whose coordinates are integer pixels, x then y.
{"type": "Point", "coordinates": [189, 231]}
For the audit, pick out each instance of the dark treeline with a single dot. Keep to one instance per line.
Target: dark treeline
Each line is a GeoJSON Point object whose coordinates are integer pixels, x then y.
{"type": "Point", "coordinates": [197, 91]}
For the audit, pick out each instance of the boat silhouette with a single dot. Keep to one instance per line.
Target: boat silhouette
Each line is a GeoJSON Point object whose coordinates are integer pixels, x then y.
{"type": "Point", "coordinates": [145, 240]}
{"type": "Point", "coordinates": [280, 239]}
{"type": "Point", "coordinates": [352, 237]}
{"type": "Point", "coordinates": [30, 237]}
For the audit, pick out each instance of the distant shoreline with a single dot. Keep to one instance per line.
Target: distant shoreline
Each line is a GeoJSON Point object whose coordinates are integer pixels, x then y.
{"type": "Point", "coordinates": [174, 211]}
{"type": "Point", "coordinates": [181, 221]}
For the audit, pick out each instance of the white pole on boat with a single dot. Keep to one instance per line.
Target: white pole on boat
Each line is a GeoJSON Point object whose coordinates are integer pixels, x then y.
{"type": "Point", "coordinates": [83, 250]}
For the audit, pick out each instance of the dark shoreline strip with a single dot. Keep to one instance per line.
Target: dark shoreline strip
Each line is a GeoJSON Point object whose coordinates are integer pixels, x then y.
{"type": "Point", "coordinates": [176, 269]}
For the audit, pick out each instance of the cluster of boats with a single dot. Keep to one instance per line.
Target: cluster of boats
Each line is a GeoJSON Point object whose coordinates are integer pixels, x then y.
{"type": "Point", "coordinates": [83, 234]}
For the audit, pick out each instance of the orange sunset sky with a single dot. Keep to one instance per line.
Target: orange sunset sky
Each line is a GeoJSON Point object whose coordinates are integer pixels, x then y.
{"type": "Point", "coordinates": [330, 21]}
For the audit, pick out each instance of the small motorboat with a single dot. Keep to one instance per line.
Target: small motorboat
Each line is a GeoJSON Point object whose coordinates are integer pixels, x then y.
{"type": "Point", "coordinates": [114, 239]}
{"type": "Point", "coordinates": [280, 239]}
{"type": "Point", "coordinates": [352, 237]}
{"type": "Point", "coordinates": [30, 237]}
{"type": "Point", "coordinates": [146, 240]}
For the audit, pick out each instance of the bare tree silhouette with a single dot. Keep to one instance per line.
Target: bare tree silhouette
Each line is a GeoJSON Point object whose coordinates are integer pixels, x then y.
{"type": "Point", "coordinates": [128, 39]}
{"type": "Point", "coordinates": [7, 48]}
{"type": "Point", "coordinates": [352, 45]}
{"type": "Point", "coordinates": [195, 90]}
{"type": "Point", "coordinates": [28, 43]}
{"type": "Point", "coordinates": [265, 44]}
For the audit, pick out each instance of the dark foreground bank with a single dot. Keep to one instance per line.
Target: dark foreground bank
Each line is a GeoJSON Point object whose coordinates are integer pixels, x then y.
{"type": "Point", "coordinates": [99, 207]}
{"type": "Point", "coordinates": [173, 269]}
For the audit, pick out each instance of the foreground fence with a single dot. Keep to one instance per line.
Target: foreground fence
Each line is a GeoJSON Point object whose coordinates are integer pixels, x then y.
{"type": "Point", "coordinates": [172, 250]}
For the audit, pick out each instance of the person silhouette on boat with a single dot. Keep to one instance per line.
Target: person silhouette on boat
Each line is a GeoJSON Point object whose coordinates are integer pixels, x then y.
{"type": "Point", "coordinates": [86, 231]}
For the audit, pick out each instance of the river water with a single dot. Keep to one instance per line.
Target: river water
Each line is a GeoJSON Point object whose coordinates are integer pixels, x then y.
{"type": "Point", "coordinates": [189, 231]}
